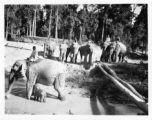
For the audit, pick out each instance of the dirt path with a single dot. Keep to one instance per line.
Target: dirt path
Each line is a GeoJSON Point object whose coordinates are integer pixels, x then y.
{"type": "Point", "coordinates": [76, 102]}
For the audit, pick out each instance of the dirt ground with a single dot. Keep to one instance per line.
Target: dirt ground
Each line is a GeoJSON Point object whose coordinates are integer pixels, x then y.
{"type": "Point", "coordinates": [79, 100]}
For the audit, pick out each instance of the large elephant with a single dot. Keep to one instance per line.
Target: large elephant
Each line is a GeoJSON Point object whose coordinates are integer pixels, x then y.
{"type": "Point", "coordinates": [63, 50]}
{"type": "Point", "coordinates": [117, 51]}
{"type": "Point", "coordinates": [86, 50]}
{"type": "Point", "coordinates": [73, 51]}
{"type": "Point", "coordinates": [49, 48]}
{"type": "Point", "coordinates": [45, 71]}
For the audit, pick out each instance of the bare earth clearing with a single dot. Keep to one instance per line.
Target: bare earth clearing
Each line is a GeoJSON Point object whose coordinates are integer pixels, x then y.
{"type": "Point", "coordinates": [79, 97]}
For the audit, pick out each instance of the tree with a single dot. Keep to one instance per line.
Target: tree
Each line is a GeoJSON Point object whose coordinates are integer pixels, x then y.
{"type": "Point", "coordinates": [140, 29]}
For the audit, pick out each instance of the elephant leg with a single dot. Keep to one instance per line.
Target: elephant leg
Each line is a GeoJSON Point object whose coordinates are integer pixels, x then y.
{"type": "Point", "coordinates": [12, 78]}
{"type": "Point", "coordinates": [76, 58]}
{"type": "Point", "coordinates": [123, 57]}
{"type": "Point", "coordinates": [85, 59]}
{"type": "Point", "coordinates": [90, 58]}
{"type": "Point", "coordinates": [59, 86]}
{"type": "Point", "coordinates": [35, 98]}
{"type": "Point", "coordinates": [38, 98]}
{"type": "Point", "coordinates": [73, 58]}
{"type": "Point", "coordinates": [41, 99]}
{"type": "Point", "coordinates": [44, 100]}
{"type": "Point", "coordinates": [113, 57]}
{"type": "Point", "coordinates": [30, 84]}
{"type": "Point", "coordinates": [80, 56]}
{"type": "Point", "coordinates": [101, 58]}
{"type": "Point", "coordinates": [64, 56]}
{"type": "Point", "coordinates": [120, 58]}
{"type": "Point", "coordinates": [109, 58]}
{"type": "Point", "coordinates": [117, 57]}
{"type": "Point", "coordinates": [103, 55]}
{"type": "Point", "coordinates": [67, 53]}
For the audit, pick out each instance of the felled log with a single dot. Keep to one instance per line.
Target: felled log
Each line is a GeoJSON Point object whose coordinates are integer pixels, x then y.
{"type": "Point", "coordinates": [126, 88]}
{"type": "Point", "coordinates": [111, 72]}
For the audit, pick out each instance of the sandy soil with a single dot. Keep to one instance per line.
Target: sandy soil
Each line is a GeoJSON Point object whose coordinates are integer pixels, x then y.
{"type": "Point", "coordinates": [78, 100]}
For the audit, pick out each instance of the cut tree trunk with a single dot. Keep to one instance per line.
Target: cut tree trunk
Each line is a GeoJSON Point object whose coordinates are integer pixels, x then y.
{"type": "Point", "coordinates": [126, 88]}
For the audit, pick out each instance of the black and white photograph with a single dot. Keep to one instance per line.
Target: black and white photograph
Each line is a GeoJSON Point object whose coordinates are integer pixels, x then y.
{"type": "Point", "coordinates": [76, 59]}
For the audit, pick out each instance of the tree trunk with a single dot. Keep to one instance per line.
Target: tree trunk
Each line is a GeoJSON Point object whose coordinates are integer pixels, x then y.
{"type": "Point", "coordinates": [127, 91]}
{"type": "Point", "coordinates": [11, 29]}
{"type": "Point", "coordinates": [27, 31]}
{"type": "Point", "coordinates": [63, 34]}
{"type": "Point", "coordinates": [80, 37]}
{"type": "Point", "coordinates": [7, 29]}
{"type": "Point", "coordinates": [33, 28]}
{"type": "Point", "coordinates": [30, 29]}
{"type": "Point", "coordinates": [35, 24]}
{"type": "Point", "coordinates": [56, 28]}
{"type": "Point", "coordinates": [50, 23]}
{"type": "Point", "coordinates": [102, 31]}
{"type": "Point", "coordinates": [71, 33]}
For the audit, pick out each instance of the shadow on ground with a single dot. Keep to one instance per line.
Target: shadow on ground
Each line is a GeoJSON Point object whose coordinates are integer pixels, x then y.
{"type": "Point", "coordinates": [137, 56]}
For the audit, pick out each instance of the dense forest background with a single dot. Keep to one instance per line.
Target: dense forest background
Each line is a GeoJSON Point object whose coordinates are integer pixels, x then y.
{"type": "Point", "coordinates": [93, 21]}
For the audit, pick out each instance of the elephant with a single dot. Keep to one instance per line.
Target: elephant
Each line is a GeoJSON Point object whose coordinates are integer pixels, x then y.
{"type": "Point", "coordinates": [49, 48]}
{"type": "Point", "coordinates": [39, 93]}
{"type": "Point", "coordinates": [73, 50]}
{"type": "Point", "coordinates": [44, 71]}
{"type": "Point", "coordinates": [86, 50]}
{"type": "Point", "coordinates": [105, 49]}
{"type": "Point", "coordinates": [116, 52]}
{"type": "Point", "coordinates": [63, 50]}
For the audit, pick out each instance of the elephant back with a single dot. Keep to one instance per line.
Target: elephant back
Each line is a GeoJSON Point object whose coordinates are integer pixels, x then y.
{"type": "Point", "coordinates": [63, 46]}
{"type": "Point", "coordinates": [122, 46]}
{"type": "Point", "coordinates": [52, 45]}
{"type": "Point", "coordinates": [82, 49]}
{"type": "Point", "coordinates": [74, 46]}
{"type": "Point", "coordinates": [47, 66]}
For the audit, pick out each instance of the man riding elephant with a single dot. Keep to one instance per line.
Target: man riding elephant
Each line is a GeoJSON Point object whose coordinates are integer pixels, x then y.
{"type": "Point", "coordinates": [34, 55]}
{"type": "Point", "coordinates": [45, 71]}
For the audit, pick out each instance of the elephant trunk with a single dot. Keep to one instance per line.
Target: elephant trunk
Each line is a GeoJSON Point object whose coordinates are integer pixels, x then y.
{"type": "Point", "coordinates": [11, 79]}
{"type": "Point", "coordinates": [110, 55]}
